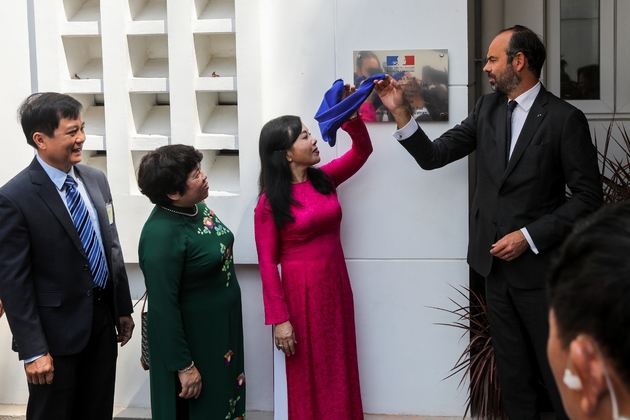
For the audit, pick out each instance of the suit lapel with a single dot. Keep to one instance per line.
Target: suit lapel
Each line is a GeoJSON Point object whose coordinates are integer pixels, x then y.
{"type": "Point", "coordinates": [99, 205]}
{"type": "Point", "coordinates": [534, 118]}
{"type": "Point", "coordinates": [501, 139]}
{"type": "Point", "coordinates": [50, 195]}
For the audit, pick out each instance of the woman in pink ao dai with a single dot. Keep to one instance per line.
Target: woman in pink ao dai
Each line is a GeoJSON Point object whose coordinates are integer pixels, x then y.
{"type": "Point", "coordinates": [297, 226]}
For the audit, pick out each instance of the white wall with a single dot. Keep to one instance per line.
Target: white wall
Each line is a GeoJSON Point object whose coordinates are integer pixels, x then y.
{"type": "Point", "coordinates": [15, 154]}
{"type": "Point", "coordinates": [404, 230]}
{"type": "Point", "coordinates": [16, 85]}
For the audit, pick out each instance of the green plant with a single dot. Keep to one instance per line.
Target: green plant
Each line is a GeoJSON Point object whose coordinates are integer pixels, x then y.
{"type": "Point", "coordinates": [615, 167]}
{"type": "Point", "coordinates": [477, 362]}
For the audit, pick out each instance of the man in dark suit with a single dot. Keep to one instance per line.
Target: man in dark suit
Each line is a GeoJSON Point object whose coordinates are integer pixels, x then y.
{"type": "Point", "coordinates": [520, 214]}
{"type": "Point", "coordinates": [64, 295]}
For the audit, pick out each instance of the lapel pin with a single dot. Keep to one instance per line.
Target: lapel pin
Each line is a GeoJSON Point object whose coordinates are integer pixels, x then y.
{"type": "Point", "coordinates": [539, 115]}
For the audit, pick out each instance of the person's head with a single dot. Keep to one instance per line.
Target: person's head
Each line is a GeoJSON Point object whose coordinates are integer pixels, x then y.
{"type": "Point", "coordinates": [515, 55]}
{"type": "Point", "coordinates": [588, 81]}
{"type": "Point", "coordinates": [172, 175]}
{"type": "Point", "coordinates": [287, 147]}
{"type": "Point", "coordinates": [53, 125]}
{"type": "Point", "coordinates": [367, 64]}
{"type": "Point", "coordinates": [589, 337]}
{"type": "Point", "coordinates": [278, 145]}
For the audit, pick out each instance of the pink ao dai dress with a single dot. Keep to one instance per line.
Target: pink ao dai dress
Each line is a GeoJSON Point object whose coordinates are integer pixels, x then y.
{"type": "Point", "coordinates": [314, 292]}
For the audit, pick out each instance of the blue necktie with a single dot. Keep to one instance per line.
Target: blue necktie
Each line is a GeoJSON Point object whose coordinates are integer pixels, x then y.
{"type": "Point", "coordinates": [508, 126]}
{"type": "Point", "coordinates": [87, 234]}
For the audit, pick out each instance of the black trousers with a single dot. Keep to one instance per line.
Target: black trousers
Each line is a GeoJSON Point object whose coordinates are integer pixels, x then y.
{"type": "Point", "coordinates": [519, 324]}
{"type": "Point", "coordinates": [83, 383]}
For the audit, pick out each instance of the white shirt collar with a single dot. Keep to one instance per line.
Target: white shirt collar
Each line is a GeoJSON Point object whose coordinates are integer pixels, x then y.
{"type": "Point", "coordinates": [526, 99]}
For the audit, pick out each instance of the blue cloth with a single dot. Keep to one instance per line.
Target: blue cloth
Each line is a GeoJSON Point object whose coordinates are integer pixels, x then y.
{"type": "Point", "coordinates": [333, 112]}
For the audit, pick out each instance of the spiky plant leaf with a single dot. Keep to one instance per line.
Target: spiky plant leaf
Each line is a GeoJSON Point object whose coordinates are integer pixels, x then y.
{"type": "Point", "coordinates": [477, 362]}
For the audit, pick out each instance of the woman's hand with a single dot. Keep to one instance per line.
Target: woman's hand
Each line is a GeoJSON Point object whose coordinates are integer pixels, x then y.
{"type": "Point", "coordinates": [349, 90]}
{"type": "Point", "coordinates": [191, 383]}
{"type": "Point", "coordinates": [285, 337]}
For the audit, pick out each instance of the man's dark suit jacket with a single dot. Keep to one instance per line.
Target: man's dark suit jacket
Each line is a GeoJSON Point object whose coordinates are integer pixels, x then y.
{"type": "Point", "coordinates": [554, 150]}
{"type": "Point", "coordinates": [45, 279]}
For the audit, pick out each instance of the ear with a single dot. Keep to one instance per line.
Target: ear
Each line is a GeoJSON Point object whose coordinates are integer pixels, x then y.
{"type": "Point", "coordinates": [587, 366]}
{"type": "Point", "coordinates": [174, 196]}
{"type": "Point", "coordinates": [39, 140]}
{"type": "Point", "coordinates": [519, 62]}
{"type": "Point", "coordinates": [289, 156]}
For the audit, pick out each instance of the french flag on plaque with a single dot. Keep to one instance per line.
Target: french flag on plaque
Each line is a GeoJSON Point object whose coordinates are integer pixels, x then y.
{"type": "Point", "coordinates": [401, 60]}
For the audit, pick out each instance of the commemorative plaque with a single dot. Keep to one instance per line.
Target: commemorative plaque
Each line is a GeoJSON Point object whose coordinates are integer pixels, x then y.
{"type": "Point", "coordinates": [423, 75]}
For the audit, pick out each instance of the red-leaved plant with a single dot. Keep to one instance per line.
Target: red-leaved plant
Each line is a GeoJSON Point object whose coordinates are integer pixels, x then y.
{"type": "Point", "coordinates": [477, 362]}
{"type": "Point", "coordinates": [615, 166]}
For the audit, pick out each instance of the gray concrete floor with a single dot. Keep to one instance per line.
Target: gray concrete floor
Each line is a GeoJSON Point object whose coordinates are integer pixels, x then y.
{"type": "Point", "coordinates": [17, 412]}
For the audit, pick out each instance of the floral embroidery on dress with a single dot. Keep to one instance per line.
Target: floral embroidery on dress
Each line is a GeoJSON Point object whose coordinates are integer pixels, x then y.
{"type": "Point", "coordinates": [208, 222]}
{"type": "Point", "coordinates": [226, 252]}
{"type": "Point", "coordinates": [240, 381]}
{"type": "Point", "coordinates": [211, 224]}
{"type": "Point", "coordinates": [233, 402]}
{"type": "Point", "coordinates": [228, 357]}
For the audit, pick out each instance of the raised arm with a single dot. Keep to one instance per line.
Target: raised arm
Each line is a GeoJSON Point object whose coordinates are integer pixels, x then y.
{"type": "Point", "coordinates": [344, 167]}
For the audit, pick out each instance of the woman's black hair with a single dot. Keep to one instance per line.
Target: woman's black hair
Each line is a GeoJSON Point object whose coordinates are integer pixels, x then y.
{"type": "Point", "coordinates": [589, 286]}
{"type": "Point", "coordinates": [165, 171]}
{"type": "Point", "coordinates": [275, 179]}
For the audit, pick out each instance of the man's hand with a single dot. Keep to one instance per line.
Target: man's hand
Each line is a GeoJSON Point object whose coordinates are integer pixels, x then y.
{"type": "Point", "coordinates": [511, 246]}
{"type": "Point", "coordinates": [126, 329]}
{"type": "Point", "coordinates": [393, 97]}
{"type": "Point", "coordinates": [191, 383]}
{"type": "Point", "coordinates": [40, 371]}
{"type": "Point", "coordinates": [1, 309]}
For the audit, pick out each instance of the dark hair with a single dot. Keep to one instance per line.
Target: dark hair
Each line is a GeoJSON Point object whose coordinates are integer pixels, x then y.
{"type": "Point", "coordinates": [589, 286]}
{"type": "Point", "coordinates": [42, 112]}
{"type": "Point", "coordinates": [591, 72]}
{"type": "Point", "coordinates": [165, 171]}
{"type": "Point", "coordinates": [362, 55]}
{"type": "Point", "coordinates": [275, 179]}
{"type": "Point", "coordinates": [526, 41]}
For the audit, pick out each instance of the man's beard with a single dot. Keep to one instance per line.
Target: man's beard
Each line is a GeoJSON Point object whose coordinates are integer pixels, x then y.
{"type": "Point", "coordinates": [506, 82]}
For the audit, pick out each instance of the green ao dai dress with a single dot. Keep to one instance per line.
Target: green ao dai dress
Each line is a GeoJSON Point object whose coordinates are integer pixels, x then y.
{"type": "Point", "coordinates": [194, 312]}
